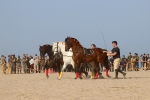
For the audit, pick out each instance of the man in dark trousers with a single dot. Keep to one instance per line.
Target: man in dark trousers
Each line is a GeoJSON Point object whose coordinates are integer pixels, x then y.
{"type": "Point", "coordinates": [28, 64]}
{"type": "Point", "coordinates": [115, 52]}
{"type": "Point", "coordinates": [13, 64]}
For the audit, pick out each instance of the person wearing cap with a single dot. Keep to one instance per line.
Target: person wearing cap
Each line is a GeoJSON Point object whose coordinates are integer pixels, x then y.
{"type": "Point", "coordinates": [115, 52]}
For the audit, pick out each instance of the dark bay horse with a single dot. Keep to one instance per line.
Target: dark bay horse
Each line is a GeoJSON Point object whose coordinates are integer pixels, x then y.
{"type": "Point", "coordinates": [98, 56]}
{"type": "Point", "coordinates": [55, 61]}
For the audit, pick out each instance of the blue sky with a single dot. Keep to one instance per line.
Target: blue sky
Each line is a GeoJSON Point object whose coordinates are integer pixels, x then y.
{"type": "Point", "coordinates": [26, 24]}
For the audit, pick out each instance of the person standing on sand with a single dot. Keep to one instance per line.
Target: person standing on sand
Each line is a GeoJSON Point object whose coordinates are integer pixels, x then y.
{"type": "Point", "coordinates": [123, 63]}
{"type": "Point", "coordinates": [31, 64]}
{"type": "Point", "coordinates": [115, 52]}
{"type": "Point", "coordinates": [42, 61]}
{"type": "Point", "coordinates": [36, 63]}
{"type": "Point", "coordinates": [3, 64]}
{"type": "Point", "coordinates": [24, 64]}
{"type": "Point", "coordinates": [129, 61]}
{"type": "Point", "coordinates": [145, 61]}
{"type": "Point", "coordinates": [13, 67]}
{"type": "Point", "coordinates": [28, 64]}
{"type": "Point", "coordinates": [18, 65]}
{"type": "Point", "coordinates": [137, 61]}
{"type": "Point", "coordinates": [141, 61]}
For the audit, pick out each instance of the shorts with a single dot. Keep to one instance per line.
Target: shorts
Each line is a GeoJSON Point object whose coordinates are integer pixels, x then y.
{"type": "Point", "coordinates": [116, 63]}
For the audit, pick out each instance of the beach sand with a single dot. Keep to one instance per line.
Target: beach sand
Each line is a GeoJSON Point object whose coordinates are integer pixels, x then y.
{"type": "Point", "coordinates": [37, 87]}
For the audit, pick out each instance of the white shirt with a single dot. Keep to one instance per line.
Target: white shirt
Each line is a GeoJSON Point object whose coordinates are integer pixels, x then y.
{"type": "Point", "coordinates": [36, 60]}
{"type": "Point", "coordinates": [31, 61]}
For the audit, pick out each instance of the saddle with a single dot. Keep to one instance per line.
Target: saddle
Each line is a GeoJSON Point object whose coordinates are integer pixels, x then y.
{"type": "Point", "coordinates": [88, 51]}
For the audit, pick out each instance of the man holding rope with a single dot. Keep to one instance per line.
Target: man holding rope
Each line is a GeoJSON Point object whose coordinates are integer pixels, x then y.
{"type": "Point", "coordinates": [115, 52]}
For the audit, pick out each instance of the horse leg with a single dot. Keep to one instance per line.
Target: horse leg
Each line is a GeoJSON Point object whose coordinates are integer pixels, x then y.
{"type": "Point", "coordinates": [92, 69]}
{"type": "Point", "coordinates": [83, 67]}
{"type": "Point", "coordinates": [77, 73]}
{"type": "Point", "coordinates": [47, 72]}
{"type": "Point", "coordinates": [59, 71]}
{"type": "Point", "coordinates": [62, 70]}
{"type": "Point", "coordinates": [107, 66]}
{"type": "Point", "coordinates": [82, 70]}
{"type": "Point", "coordinates": [97, 70]}
{"type": "Point", "coordinates": [77, 70]}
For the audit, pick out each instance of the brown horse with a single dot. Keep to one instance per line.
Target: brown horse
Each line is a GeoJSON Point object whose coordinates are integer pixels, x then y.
{"type": "Point", "coordinates": [98, 56]}
{"type": "Point", "coordinates": [55, 61]}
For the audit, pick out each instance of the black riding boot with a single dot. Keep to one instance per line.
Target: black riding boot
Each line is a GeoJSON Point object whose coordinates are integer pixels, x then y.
{"type": "Point", "coordinates": [124, 74]}
{"type": "Point", "coordinates": [116, 74]}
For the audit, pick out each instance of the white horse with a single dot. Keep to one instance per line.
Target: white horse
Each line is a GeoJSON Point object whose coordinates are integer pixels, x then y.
{"type": "Point", "coordinates": [67, 56]}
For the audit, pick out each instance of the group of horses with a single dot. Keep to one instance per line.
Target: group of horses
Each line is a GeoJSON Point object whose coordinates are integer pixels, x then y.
{"type": "Point", "coordinates": [72, 52]}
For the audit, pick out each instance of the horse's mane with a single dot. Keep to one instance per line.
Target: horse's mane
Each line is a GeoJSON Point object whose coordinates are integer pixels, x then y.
{"type": "Point", "coordinates": [45, 45]}
{"type": "Point", "coordinates": [59, 42]}
{"type": "Point", "coordinates": [74, 40]}
{"type": "Point", "coordinates": [104, 49]}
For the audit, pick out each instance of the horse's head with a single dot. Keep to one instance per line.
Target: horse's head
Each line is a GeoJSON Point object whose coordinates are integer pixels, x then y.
{"type": "Point", "coordinates": [71, 42]}
{"type": "Point", "coordinates": [68, 43]}
{"type": "Point", "coordinates": [42, 51]}
{"type": "Point", "coordinates": [46, 49]}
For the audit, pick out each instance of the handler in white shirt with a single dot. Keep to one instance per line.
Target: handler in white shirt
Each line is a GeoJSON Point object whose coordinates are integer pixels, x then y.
{"type": "Point", "coordinates": [36, 65]}
{"type": "Point", "coordinates": [31, 65]}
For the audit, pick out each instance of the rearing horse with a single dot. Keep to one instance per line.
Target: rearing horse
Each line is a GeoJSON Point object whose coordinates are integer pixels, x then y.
{"type": "Point", "coordinates": [98, 56]}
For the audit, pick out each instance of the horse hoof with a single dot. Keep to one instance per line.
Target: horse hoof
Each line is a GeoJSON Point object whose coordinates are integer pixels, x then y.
{"type": "Point", "coordinates": [47, 76]}
{"type": "Point", "coordinates": [100, 74]}
{"type": "Point", "coordinates": [81, 78]}
{"type": "Point", "coordinates": [58, 78]}
{"type": "Point", "coordinates": [95, 77]}
{"type": "Point", "coordinates": [75, 78]}
{"type": "Point", "coordinates": [86, 74]}
{"type": "Point", "coordinates": [91, 78]}
{"type": "Point", "coordinates": [108, 76]}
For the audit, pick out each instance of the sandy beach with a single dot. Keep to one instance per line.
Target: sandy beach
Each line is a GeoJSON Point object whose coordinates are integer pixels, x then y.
{"type": "Point", "coordinates": [38, 87]}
